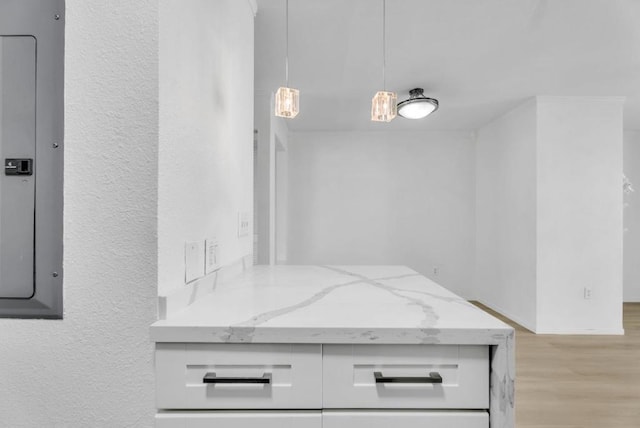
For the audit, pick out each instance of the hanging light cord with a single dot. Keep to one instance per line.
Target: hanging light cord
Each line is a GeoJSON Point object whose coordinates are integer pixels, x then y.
{"type": "Point", "coordinates": [286, 60]}
{"type": "Point", "coordinates": [384, 44]}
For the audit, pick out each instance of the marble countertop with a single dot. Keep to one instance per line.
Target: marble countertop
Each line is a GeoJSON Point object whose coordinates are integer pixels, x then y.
{"type": "Point", "coordinates": [331, 304]}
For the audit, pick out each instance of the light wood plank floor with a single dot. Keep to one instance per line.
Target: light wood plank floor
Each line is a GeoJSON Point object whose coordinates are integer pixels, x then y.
{"type": "Point", "coordinates": [578, 381]}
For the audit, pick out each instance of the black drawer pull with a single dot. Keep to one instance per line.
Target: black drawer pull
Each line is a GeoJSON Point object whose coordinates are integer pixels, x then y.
{"type": "Point", "coordinates": [212, 378]}
{"type": "Point", "coordinates": [434, 377]}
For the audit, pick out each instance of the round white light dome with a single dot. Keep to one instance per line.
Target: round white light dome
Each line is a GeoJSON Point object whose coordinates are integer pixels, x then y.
{"type": "Point", "coordinates": [417, 106]}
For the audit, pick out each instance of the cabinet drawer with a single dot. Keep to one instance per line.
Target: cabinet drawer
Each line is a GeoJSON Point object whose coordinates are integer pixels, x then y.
{"type": "Point", "coordinates": [405, 419]}
{"type": "Point", "coordinates": [242, 376]}
{"type": "Point", "coordinates": [248, 419]}
{"type": "Point", "coordinates": [406, 373]}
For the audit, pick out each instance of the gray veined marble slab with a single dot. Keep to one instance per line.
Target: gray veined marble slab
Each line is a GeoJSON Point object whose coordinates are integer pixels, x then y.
{"type": "Point", "coordinates": [330, 304]}
{"type": "Point", "coordinates": [349, 305]}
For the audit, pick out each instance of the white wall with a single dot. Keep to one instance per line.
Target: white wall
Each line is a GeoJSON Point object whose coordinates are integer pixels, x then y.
{"type": "Point", "coordinates": [505, 276]}
{"type": "Point", "coordinates": [281, 191]}
{"type": "Point", "coordinates": [632, 218]}
{"type": "Point", "coordinates": [270, 186]}
{"type": "Point", "coordinates": [262, 181]}
{"type": "Point", "coordinates": [206, 125]}
{"type": "Point", "coordinates": [384, 198]}
{"type": "Point", "coordinates": [94, 367]}
{"type": "Point", "coordinates": [579, 212]}
{"type": "Point", "coordinates": [549, 223]}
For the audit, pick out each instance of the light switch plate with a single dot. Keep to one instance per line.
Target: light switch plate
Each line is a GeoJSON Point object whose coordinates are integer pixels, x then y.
{"type": "Point", "coordinates": [212, 255]}
{"type": "Point", "coordinates": [243, 224]}
{"type": "Point", "coordinates": [193, 261]}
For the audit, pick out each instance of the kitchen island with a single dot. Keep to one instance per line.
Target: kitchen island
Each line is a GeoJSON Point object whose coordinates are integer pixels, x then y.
{"type": "Point", "coordinates": [333, 346]}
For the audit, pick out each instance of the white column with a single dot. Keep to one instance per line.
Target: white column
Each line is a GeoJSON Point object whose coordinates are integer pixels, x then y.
{"type": "Point", "coordinates": [579, 214]}
{"type": "Point", "coordinates": [632, 218]}
{"type": "Point", "coordinates": [549, 214]}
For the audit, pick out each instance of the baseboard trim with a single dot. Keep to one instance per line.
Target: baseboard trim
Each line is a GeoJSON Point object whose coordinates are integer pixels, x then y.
{"type": "Point", "coordinates": [585, 332]}
{"type": "Point", "coordinates": [193, 291]}
{"type": "Point", "coordinates": [575, 332]}
{"type": "Point", "coordinates": [509, 315]}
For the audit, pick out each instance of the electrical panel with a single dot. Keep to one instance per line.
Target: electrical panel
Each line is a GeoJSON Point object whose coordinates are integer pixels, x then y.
{"type": "Point", "coordinates": [31, 149]}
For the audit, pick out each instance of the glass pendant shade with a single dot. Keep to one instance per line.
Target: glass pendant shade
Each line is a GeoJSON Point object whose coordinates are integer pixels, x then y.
{"type": "Point", "coordinates": [287, 102]}
{"type": "Point", "coordinates": [384, 106]}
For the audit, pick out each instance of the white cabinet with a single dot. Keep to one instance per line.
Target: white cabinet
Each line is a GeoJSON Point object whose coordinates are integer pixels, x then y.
{"type": "Point", "coordinates": [246, 419]}
{"type": "Point", "coordinates": [405, 419]}
{"type": "Point", "coordinates": [238, 376]}
{"type": "Point", "coordinates": [460, 376]}
{"type": "Point", "coordinates": [202, 385]}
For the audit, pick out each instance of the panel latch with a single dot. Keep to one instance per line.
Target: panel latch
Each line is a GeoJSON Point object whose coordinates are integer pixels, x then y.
{"type": "Point", "coordinates": [18, 166]}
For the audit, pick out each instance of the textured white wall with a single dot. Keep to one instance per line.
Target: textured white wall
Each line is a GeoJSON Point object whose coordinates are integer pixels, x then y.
{"type": "Point", "coordinates": [579, 213]}
{"type": "Point", "coordinates": [632, 218]}
{"type": "Point", "coordinates": [94, 368]}
{"type": "Point", "coordinates": [505, 274]}
{"type": "Point", "coordinates": [384, 198]}
{"type": "Point", "coordinates": [206, 130]}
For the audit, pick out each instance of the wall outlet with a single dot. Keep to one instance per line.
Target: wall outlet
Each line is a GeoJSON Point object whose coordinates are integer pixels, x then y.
{"type": "Point", "coordinates": [212, 255]}
{"type": "Point", "coordinates": [243, 224]}
{"type": "Point", "coordinates": [193, 261]}
{"type": "Point", "coordinates": [435, 270]}
{"type": "Point", "coordinates": [587, 293]}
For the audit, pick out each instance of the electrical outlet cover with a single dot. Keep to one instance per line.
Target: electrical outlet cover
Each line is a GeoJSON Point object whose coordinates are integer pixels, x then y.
{"type": "Point", "coordinates": [212, 255]}
{"type": "Point", "coordinates": [193, 261]}
{"type": "Point", "coordinates": [243, 224]}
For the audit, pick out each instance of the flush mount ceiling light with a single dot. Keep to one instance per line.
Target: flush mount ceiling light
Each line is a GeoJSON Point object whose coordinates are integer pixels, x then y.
{"type": "Point", "coordinates": [287, 99]}
{"type": "Point", "coordinates": [384, 104]}
{"type": "Point", "coordinates": [417, 106]}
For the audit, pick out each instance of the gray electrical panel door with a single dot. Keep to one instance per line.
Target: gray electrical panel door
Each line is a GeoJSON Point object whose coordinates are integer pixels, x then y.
{"type": "Point", "coordinates": [17, 149]}
{"type": "Point", "coordinates": [31, 155]}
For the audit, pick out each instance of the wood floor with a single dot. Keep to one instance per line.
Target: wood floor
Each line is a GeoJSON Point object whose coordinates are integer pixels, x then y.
{"type": "Point", "coordinates": [578, 381]}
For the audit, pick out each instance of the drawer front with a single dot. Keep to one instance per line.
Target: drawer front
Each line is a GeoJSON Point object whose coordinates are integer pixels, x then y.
{"type": "Point", "coordinates": [223, 419]}
{"type": "Point", "coordinates": [349, 376]}
{"type": "Point", "coordinates": [405, 419]}
{"type": "Point", "coordinates": [242, 376]}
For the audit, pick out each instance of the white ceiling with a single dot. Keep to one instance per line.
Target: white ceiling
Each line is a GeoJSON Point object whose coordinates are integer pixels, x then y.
{"type": "Point", "coordinates": [479, 58]}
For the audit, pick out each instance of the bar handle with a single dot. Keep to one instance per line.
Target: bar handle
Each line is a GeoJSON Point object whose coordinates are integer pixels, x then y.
{"type": "Point", "coordinates": [212, 378]}
{"type": "Point", "coordinates": [434, 377]}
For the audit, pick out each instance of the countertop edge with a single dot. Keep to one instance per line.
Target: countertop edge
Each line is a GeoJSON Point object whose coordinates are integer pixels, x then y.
{"type": "Point", "coordinates": [335, 335]}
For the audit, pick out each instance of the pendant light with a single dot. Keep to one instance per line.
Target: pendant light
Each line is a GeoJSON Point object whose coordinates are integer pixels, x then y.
{"type": "Point", "coordinates": [417, 106]}
{"type": "Point", "coordinates": [384, 104]}
{"type": "Point", "coordinates": [287, 99]}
